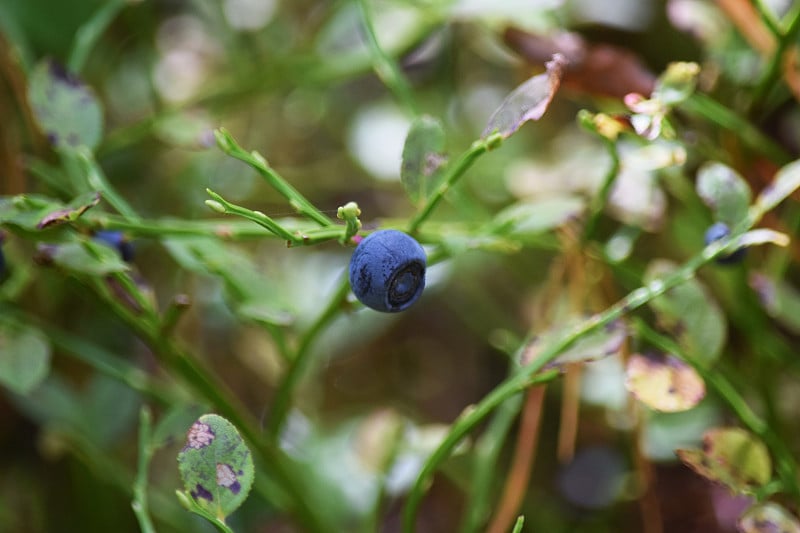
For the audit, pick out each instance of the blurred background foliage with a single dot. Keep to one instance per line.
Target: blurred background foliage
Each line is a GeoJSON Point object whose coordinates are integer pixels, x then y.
{"type": "Point", "coordinates": [294, 80]}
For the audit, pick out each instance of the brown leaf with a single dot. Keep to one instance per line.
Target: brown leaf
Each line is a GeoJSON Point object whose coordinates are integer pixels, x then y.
{"type": "Point", "coordinates": [597, 69]}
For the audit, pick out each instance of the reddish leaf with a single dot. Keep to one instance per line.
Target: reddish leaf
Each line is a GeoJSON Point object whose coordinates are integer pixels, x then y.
{"type": "Point", "coordinates": [597, 69]}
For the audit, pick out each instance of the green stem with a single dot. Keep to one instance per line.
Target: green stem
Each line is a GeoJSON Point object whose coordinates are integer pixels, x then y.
{"type": "Point", "coordinates": [182, 364]}
{"type": "Point", "coordinates": [221, 205]}
{"type": "Point", "coordinates": [768, 17]}
{"type": "Point", "coordinates": [708, 108]}
{"type": "Point", "coordinates": [87, 35]}
{"type": "Point", "coordinates": [451, 176]}
{"type": "Point", "coordinates": [773, 72]}
{"type": "Point", "coordinates": [385, 67]}
{"type": "Point", "coordinates": [600, 199]}
{"type": "Point", "coordinates": [228, 144]}
{"type": "Point", "coordinates": [228, 229]}
{"type": "Point", "coordinates": [529, 374]}
{"type": "Point", "coordinates": [487, 452]}
{"type": "Point", "coordinates": [785, 464]}
{"type": "Point", "coordinates": [302, 360]}
{"type": "Point", "coordinates": [139, 504]}
{"type": "Point", "coordinates": [98, 358]}
{"type": "Point", "coordinates": [98, 182]}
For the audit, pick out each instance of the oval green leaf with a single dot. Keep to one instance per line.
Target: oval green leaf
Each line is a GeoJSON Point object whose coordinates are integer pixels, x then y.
{"type": "Point", "coordinates": [216, 466]}
{"type": "Point", "coordinates": [690, 313]}
{"type": "Point", "coordinates": [725, 192]}
{"type": "Point", "coordinates": [423, 157]}
{"type": "Point", "coordinates": [780, 300]}
{"type": "Point", "coordinates": [534, 218]}
{"type": "Point", "coordinates": [732, 457]}
{"type": "Point", "coordinates": [87, 257]}
{"type": "Point", "coordinates": [592, 347]}
{"type": "Point", "coordinates": [24, 357]}
{"type": "Point", "coordinates": [67, 110]}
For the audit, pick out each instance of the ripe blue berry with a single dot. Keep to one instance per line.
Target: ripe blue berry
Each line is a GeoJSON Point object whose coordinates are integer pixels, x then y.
{"type": "Point", "coordinates": [720, 230]}
{"type": "Point", "coordinates": [387, 271]}
{"type": "Point", "coordinates": [117, 240]}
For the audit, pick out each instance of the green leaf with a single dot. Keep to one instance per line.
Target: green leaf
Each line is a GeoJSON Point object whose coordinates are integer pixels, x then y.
{"type": "Point", "coordinates": [592, 347]}
{"type": "Point", "coordinates": [71, 212]}
{"type": "Point", "coordinates": [250, 293]}
{"type": "Point", "coordinates": [725, 192]}
{"type": "Point", "coordinates": [527, 102]}
{"type": "Point", "coordinates": [533, 218]}
{"type": "Point", "coordinates": [731, 456]}
{"type": "Point", "coordinates": [216, 466]}
{"type": "Point", "coordinates": [664, 384]}
{"type": "Point", "coordinates": [423, 157]}
{"type": "Point", "coordinates": [690, 313]}
{"type": "Point", "coordinates": [768, 517]}
{"type": "Point", "coordinates": [86, 257]}
{"type": "Point", "coordinates": [26, 211]}
{"type": "Point", "coordinates": [780, 300]}
{"type": "Point", "coordinates": [24, 357]}
{"type": "Point", "coordinates": [786, 181]}
{"type": "Point", "coordinates": [67, 111]}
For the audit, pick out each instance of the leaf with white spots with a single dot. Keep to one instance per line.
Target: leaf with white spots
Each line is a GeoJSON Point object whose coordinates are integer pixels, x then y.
{"type": "Point", "coordinates": [664, 384]}
{"type": "Point", "coordinates": [216, 466]}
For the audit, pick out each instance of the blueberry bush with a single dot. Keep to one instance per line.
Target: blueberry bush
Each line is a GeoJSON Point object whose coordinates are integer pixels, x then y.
{"type": "Point", "coordinates": [399, 265]}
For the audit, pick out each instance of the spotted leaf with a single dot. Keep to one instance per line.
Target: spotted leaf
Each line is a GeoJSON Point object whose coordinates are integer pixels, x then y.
{"type": "Point", "coordinates": [216, 466]}
{"type": "Point", "coordinates": [732, 457]}
{"type": "Point", "coordinates": [67, 110]}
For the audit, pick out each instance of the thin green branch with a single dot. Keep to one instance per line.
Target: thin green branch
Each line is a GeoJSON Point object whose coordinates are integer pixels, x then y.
{"type": "Point", "coordinates": [530, 375]}
{"type": "Point", "coordinates": [228, 144]}
{"type": "Point", "coordinates": [147, 325]}
{"type": "Point", "coordinates": [87, 35]}
{"type": "Point", "coordinates": [787, 38]}
{"type": "Point", "coordinates": [452, 175]}
{"type": "Point", "coordinates": [704, 106]}
{"type": "Point", "coordinates": [97, 181]}
{"type": "Point", "coordinates": [600, 199]}
{"type": "Point", "coordinates": [302, 360]}
{"type": "Point", "coordinates": [768, 17]}
{"type": "Point", "coordinates": [785, 464]}
{"type": "Point", "coordinates": [221, 205]}
{"type": "Point", "coordinates": [139, 504]}
{"type": "Point", "coordinates": [385, 67]}
{"type": "Point", "coordinates": [487, 452]}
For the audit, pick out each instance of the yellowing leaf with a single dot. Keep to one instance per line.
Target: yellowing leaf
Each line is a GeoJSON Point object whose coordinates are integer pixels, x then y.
{"type": "Point", "coordinates": [731, 456]}
{"type": "Point", "coordinates": [664, 384]}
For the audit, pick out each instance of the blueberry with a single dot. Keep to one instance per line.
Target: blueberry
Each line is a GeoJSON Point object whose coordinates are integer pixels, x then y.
{"type": "Point", "coordinates": [116, 240]}
{"type": "Point", "coordinates": [720, 230]}
{"type": "Point", "coordinates": [387, 271]}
